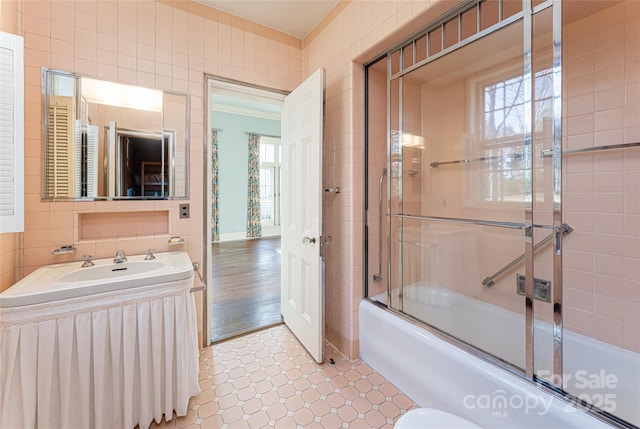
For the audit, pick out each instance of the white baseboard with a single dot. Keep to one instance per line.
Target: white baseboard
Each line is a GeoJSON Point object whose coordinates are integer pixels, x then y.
{"type": "Point", "coordinates": [272, 231]}
{"type": "Point", "coordinates": [233, 236]}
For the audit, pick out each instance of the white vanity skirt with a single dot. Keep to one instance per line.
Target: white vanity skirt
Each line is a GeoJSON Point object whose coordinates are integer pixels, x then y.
{"type": "Point", "coordinates": [113, 360]}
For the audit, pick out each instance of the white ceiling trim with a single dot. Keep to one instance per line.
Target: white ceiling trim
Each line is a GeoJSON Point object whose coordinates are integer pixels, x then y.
{"type": "Point", "coordinates": [244, 111]}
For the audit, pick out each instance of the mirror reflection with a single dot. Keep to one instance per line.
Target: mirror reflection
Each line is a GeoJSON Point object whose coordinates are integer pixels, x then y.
{"type": "Point", "coordinates": [106, 140]}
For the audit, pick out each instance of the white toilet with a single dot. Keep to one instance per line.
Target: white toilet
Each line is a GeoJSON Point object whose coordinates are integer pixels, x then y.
{"type": "Point", "coordinates": [425, 418]}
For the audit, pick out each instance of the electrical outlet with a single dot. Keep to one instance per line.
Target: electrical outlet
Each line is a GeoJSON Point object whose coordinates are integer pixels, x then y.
{"type": "Point", "coordinates": [184, 211]}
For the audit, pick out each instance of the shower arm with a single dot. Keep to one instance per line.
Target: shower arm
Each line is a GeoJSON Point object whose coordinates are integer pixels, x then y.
{"type": "Point", "coordinates": [489, 281]}
{"type": "Point", "coordinates": [377, 278]}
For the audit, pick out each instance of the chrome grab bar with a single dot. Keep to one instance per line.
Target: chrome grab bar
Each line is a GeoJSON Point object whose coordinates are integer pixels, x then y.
{"type": "Point", "coordinates": [489, 281]}
{"type": "Point", "coordinates": [548, 152]}
{"type": "Point", "coordinates": [515, 157]}
{"type": "Point", "coordinates": [377, 278]}
{"type": "Point", "coordinates": [203, 287]}
{"type": "Point", "coordinates": [545, 153]}
{"type": "Point", "coordinates": [512, 225]}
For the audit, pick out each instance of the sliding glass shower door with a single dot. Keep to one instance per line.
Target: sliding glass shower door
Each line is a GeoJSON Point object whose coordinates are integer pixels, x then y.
{"type": "Point", "coordinates": [502, 197]}
{"type": "Point", "coordinates": [460, 179]}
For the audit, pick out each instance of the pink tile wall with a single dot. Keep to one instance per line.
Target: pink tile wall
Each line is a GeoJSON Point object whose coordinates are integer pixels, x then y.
{"type": "Point", "coordinates": [122, 224]}
{"type": "Point", "coordinates": [160, 44]}
{"type": "Point", "coordinates": [9, 21]}
{"type": "Point", "coordinates": [9, 245]}
{"type": "Point", "coordinates": [602, 196]}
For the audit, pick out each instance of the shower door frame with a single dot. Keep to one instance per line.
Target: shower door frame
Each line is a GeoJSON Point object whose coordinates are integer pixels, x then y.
{"type": "Point", "coordinates": [556, 227]}
{"type": "Point", "coordinates": [528, 227]}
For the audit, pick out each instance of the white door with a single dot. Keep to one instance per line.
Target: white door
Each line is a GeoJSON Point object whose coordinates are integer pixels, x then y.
{"type": "Point", "coordinates": [301, 205]}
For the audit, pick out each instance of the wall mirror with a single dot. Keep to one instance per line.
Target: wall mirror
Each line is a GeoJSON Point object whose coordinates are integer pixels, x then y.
{"type": "Point", "coordinates": [107, 140]}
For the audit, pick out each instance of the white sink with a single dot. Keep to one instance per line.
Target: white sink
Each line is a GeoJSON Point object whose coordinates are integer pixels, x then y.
{"type": "Point", "coordinates": [70, 280]}
{"type": "Point", "coordinates": [105, 272]}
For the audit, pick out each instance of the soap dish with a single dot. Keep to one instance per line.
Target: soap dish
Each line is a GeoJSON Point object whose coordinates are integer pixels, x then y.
{"type": "Point", "coordinates": [173, 241]}
{"type": "Point", "coordinates": [63, 250]}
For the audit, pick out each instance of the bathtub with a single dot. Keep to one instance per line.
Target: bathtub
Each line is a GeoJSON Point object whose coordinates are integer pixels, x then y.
{"type": "Point", "coordinates": [436, 374]}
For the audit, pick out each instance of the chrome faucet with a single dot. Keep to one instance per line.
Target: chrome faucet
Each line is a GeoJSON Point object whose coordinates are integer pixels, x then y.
{"type": "Point", "coordinates": [150, 255]}
{"type": "Point", "coordinates": [120, 257]}
{"type": "Point", "coordinates": [87, 261]}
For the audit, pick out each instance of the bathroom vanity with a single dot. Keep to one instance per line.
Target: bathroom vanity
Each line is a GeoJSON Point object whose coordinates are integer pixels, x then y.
{"type": "Point", "coordinates": [110, 345]}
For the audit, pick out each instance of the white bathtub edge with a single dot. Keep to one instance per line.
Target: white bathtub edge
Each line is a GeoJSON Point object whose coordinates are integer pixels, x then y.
{"type": "Point", "coordinates": [419, 363]}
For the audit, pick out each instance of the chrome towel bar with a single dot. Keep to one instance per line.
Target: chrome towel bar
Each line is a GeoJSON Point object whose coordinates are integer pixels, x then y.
{"type": "Point", "coordinates": [512, 225]}
{"type": "Point", "coordinates": [515, 157]}
{"type": "Point", "coordinates": [548, 152]}
{"type": "Point", "coordinates": [203, 286]}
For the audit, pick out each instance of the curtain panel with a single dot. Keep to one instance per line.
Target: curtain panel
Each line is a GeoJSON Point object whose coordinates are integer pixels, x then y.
{"type": "Point", "coordinates": [254, 226]}
{"type": "Point", "coordinates": [215, 214]}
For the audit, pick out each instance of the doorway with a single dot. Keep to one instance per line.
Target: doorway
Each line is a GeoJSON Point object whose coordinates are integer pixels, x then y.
{"type": "Point", "coordinates": [246, 289]}
{"type": "Point", "coordinates": [141, 164]}
{"type": "Point", "coordinates": [243, 153]}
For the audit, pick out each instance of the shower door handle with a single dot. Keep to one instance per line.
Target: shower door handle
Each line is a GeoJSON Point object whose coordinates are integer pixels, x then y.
{"type": "Point", "coordinates": [308, 240]}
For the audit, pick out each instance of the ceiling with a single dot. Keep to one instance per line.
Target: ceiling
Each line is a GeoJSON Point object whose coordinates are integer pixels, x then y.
{"type": "Point", "coordinates": [294, 17]}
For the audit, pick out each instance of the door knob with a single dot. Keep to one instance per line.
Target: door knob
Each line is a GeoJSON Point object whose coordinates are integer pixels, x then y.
{"type": "Point", "coordinates": [308, 240]}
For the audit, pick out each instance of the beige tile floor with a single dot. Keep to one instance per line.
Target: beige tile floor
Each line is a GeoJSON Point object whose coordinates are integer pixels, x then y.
{"type": "Point", "coordinates": [268, 380]}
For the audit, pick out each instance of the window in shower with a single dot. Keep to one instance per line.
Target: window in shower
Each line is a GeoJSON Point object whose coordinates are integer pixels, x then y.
{"type": "Point", "coordinates": [501, 127]}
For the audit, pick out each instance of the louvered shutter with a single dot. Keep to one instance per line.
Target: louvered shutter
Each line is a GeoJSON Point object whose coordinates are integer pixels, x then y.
{"type": "Point", "coordinates": [86, 161]}
{"type": "Point", "coordinates": [92, 161]}
{"type": "Point", "coordinates": [11, 133]}
{"type": "Point", "coordinates": [61, 153]}
{"type": "Point", "coordinates": [79, 160]}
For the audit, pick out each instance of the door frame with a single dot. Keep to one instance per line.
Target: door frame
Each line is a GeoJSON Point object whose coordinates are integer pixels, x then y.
{"type": "Point", "coordinates": [210, 82]}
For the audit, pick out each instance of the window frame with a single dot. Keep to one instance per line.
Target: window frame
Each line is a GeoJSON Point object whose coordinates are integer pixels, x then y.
{"type": "Point", "coordinates": [477, 146]}
{"type": "Point", "coordinates": [275, 167]}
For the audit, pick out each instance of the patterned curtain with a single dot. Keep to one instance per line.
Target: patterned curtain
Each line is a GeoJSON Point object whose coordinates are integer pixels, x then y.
{"type": "Point", "coordinates": [215, 216]}
{"type": "Point", "coordinates": [254, 227]}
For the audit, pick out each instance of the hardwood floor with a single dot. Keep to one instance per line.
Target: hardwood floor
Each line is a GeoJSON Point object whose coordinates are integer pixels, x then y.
{"type": "Point", "coordinates": [245, 286]}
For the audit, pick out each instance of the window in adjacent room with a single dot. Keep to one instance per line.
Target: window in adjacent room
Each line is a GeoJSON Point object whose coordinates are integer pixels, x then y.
{"type": "Point", "coordinates": [270, 157]}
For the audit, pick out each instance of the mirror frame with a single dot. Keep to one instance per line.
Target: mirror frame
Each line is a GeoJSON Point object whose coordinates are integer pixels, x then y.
{"type": "Point", "coordinates": [46, 92]}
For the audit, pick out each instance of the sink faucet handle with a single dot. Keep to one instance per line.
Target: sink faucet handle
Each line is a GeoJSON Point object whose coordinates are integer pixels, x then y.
{"type": "Point", "coordinates": [150, 255]}
{"type": "Point", "coordinates": [120, 257]}
{"type": "Point", "coordinates": [87, 261]}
